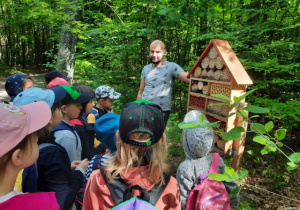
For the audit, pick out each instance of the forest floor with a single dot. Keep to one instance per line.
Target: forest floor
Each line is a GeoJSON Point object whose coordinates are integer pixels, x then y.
{"type": "Point", "coordinates": [269, 185]}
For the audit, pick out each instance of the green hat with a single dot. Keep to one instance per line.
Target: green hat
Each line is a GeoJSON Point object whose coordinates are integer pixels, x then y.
{"type": "Point", "coordinates": [73, 96]}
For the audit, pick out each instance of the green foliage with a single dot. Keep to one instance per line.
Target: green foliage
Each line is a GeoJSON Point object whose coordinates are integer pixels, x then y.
{"type": "Point", "coordinates": [230, 176]}
{"type": "Point", "coordinates": [233, 134]}
{"type": "Point", "coordinates": [295, 157]}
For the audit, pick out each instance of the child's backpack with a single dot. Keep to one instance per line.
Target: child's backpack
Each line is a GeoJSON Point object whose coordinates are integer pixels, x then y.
{"type": "Point", "coordinates": [123, 195]}
{"type": "Point", "coordinates": [209, 193]}
{"type": "Point", "coordinates": [64, 126]}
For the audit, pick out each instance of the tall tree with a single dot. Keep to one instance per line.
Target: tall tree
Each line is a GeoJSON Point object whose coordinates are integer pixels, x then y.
{"type": "Point", "coordinates": [68, 38]}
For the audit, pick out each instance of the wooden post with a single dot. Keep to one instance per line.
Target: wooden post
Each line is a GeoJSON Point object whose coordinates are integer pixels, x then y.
{"type": "Point", "coordinates": [238, 145]}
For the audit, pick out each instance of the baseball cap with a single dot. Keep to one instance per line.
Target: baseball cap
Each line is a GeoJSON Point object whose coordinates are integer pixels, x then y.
{"type": "Point", "coordinates": [74, 96]}
{"type": "Point", "coordinates": [14, 84]}
{"type": "Point", "coordinates": [106, 128]}
{"type": "Point", "coordinates": [16, 122]}
{"type": "Point", "coordinates": [141, 116]}
{"type": "Point", "coordinates": [106, 91]}
{"type": "Point", "coordinates": [53, 74]}
{"type": "Point", "coordinates": [57, 81]}
{"type": "Point", "coordinates": [35, 94]}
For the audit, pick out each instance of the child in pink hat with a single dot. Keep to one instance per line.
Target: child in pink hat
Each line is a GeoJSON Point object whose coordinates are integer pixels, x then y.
{"type": "Point", "coordinates": [19, 149]}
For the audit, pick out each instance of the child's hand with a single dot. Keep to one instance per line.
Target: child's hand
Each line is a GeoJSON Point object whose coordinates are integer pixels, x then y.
{"type": "Point", "coordinates": [83, 164]}
{"type": "Point", "coordinates": [74, 164]}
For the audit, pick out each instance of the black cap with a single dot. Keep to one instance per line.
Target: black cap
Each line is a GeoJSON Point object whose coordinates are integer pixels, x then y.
{"type": "Point", "coordinates": [141, 116]}
{"type": "Point", "coordinates": [53, 74]}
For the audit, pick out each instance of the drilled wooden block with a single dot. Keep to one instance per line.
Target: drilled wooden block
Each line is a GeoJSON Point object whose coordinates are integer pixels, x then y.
{"type": "Point", "coordinates": [220, 89]}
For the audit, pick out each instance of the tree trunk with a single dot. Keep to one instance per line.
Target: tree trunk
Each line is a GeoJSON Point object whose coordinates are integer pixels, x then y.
{"type": "Point", "coordinates": [68, 39]}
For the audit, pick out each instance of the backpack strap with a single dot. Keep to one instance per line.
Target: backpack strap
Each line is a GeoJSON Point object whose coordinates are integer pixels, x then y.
{"type": "Point", "coordinates": [214, 167]}
{"type": "Point", "coordinates": [65, 126]}
{"type": "Point", "coordinates": [95, 112]}
{"type": "Point", "coordinates": [116, 189]}
{"type": "Point", "coordinates": [121, 192]}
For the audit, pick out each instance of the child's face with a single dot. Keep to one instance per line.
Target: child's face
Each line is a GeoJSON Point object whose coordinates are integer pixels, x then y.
{"type": "Point", "coordinates": [89, 106]}
{"type": "Point", "coordinates": [31, 151]}
{"type": "Point", "coordinates": [28, 83]}
{"type": "Point", "coordinates": [56, 117]}
{"type": "Point", "coordinates": [107, 103]}
{"type": "Point", "coordinates": [72, 110]}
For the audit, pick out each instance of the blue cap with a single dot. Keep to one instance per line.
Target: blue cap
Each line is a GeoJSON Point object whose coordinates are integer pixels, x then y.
{"type": "Point", "coordinates": [35, 94]}
{"type": "Point", "coordinates": [14, 84]}
{"type": "Point", "coordinates": [106, 128]}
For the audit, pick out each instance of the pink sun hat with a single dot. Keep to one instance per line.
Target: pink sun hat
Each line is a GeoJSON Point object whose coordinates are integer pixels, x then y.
{"type": "Point", "coordinates": [16, 122]}
{"type": "Point", "coordinates": [56, 82]}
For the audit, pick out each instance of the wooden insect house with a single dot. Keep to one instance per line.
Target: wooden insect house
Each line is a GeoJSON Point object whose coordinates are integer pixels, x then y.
{"type": "Point", "coordinates": [219, 71]}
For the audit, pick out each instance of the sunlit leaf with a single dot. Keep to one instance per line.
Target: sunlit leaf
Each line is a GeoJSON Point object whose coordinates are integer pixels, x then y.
{"type": "Point", "coordinates": [269, 126]}
{"type": "Point", "coordinates": [279, 144]}
{"type": "Point", "coordinates": [265, 150]}
{"type": "Point", "coordinates": [256, 109]}
{"type": "Point", "coordinates": [233, 134]}
{"type": "Point", "coordinates": [201, 117]}
{"type": "Point", "coordinates": [231, 173]}
{"type": "Point", "coordinates": [291, 164]}
{"type": "Point", "coordinates": [242, 173]}
{"type": "Point", "coordinates": [242, 113]}
{"type": "Point", "coordinates": [254, 116]}
{"type": "Point", "coordinates": [280, 134]}
{"type": "Point", "coordinates": [258, 128]}
{"type": "Point", "coordinates": [295, 157]}
{"type": "Point", "coordinates": [218, 177]}
{"type": "Point", "coordinates": [184, 125]}
{"type": "Point", "coordinates": [222, 96]}
{"type": "Point", "coordinates": [261, 140]}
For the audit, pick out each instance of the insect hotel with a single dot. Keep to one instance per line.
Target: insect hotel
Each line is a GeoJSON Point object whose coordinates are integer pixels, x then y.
{"type": "Point", "coordinates": [219, 71]}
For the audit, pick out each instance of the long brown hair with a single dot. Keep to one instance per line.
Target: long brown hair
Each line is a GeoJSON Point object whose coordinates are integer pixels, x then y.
{"type": "Point", "coordinates": [128, 156]}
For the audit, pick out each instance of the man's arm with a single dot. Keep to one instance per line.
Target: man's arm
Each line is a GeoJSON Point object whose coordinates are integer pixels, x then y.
{"type": "Point", "coordinates": [141, 90]}
{"type": "Point", "coordinates": [183, 77]}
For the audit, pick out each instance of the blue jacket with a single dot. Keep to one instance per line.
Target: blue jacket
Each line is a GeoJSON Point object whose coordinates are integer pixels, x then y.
{"type": "Point", "coordinates": [55, 175]}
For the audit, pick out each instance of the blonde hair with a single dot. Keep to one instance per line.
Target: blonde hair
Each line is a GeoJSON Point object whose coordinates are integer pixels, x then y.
{"type": "Point", "coordinates": [128, 156]}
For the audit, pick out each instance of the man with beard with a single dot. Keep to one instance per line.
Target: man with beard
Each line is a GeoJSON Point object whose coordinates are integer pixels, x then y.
{"type": "Point", "coordinates": [157, 78]}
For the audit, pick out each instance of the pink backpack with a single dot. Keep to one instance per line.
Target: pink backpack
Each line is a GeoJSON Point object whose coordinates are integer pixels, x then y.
{"type": "Point", "coordinates": [209, 193]}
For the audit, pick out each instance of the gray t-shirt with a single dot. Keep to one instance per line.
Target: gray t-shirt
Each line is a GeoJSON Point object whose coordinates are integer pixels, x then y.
{"type": "Point", "coordinates": [159, 83]}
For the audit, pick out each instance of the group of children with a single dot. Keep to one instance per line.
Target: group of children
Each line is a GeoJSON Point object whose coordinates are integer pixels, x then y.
{"type": "Point", "coordinates": [50, 149]}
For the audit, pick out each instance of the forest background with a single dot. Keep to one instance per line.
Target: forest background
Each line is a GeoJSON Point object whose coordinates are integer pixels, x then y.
{"type": "Point", "coordinates": [108, 43]}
